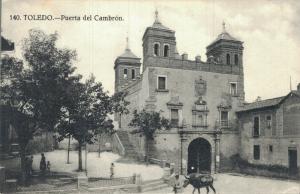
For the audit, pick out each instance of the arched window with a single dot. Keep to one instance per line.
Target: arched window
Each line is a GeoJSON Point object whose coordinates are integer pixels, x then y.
{"type": "Point", "coordinates": [166, 50]}
{"type": "Point", "coordinates": [236, 59]}
{"type": "Point", "coordinates": [227, 59]}
{"type": "Point", "coordinates": [125, 73]}
{"type": "Point", "coordinates": [156, 49]}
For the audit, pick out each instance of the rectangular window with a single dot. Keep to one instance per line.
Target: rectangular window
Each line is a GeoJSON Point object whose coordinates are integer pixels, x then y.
{"type": "Point", "coordinates": [224, 118]}
{"type": "Point", "coordinates": [256, 127]}
{"type": "Point", "coordinates": [270, 148]}
{"type": "Point", "coordinates": [256, 152]}
{"type": "Point", "coordinates": [162, 83]}
{"type": "Point", "coordinates": [133, 74]}
{"type": "Point", "coordinates": [125, 73]}
{"type": "Point", "coordinates": [269, 121]}
{"type": "Point", "coordinates": [199, 119]}
{"type": "Point", "coordinates": [233, 89]}
{"type": "Point", "coordinates": [174, 117]}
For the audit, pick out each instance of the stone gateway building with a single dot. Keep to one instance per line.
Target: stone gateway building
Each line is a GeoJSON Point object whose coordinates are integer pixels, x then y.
{"type": "Point", "coordinates": [200, 98]}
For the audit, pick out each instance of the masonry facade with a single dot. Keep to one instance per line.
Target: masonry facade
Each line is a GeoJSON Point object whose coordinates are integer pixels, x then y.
{"type": "Point", "coordinates": [270, 131]}
{"type": "Point", "coordinates": [200, 98]}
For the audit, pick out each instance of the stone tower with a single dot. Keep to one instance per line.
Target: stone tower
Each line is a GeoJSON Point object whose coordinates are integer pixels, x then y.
{"type": "Point", "coordinates": [127, 68]}
{"type": "Point", "coordinates": [226, 49]}
{"type": "Point", "coordinates": [226, 52]}
{"type": "Point", "coordinates": [158, 41]}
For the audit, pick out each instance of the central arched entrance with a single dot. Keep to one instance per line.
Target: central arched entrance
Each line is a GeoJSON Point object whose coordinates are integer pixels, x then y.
{"type": "Point", "coordinates": [199, 156]}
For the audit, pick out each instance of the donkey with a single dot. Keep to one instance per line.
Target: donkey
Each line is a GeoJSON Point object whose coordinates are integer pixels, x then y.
{"type": "Point", "coordinates": [199, 181]}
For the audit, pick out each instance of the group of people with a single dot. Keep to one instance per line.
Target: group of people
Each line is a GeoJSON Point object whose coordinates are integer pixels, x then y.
{"type": "Point", "coordinates": [44, 166]}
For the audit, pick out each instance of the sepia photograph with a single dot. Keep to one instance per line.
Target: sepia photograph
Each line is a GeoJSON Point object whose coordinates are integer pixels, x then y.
{"type": "Point", "coordinates": [150, 97]}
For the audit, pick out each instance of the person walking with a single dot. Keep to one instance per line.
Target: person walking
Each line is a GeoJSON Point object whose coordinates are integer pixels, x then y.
{"type": "Point", "coordinates": [177, 188]}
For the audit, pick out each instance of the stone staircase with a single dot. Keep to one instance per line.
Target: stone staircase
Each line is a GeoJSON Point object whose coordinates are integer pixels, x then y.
{"type": "Point", "coordinates": [154, 185]}
{"type": "Point", "coordinates": [129, 148]}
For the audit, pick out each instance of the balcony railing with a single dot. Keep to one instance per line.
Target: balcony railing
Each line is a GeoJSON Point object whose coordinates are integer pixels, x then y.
{"type": "Point", "coordinates": [223, 124]}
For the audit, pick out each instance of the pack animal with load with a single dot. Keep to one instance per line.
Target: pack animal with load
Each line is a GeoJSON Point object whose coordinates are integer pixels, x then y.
{"type": "Point", "coordinates": [199, 181]}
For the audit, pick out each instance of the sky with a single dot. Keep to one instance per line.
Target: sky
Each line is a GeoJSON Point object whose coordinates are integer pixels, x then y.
{"type": "Point", "coordinates": [269, 29]}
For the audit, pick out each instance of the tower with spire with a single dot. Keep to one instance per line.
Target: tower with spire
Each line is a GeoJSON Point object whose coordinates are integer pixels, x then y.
{"type": "Point", "coordinates": [127, 67]}
{"type": "Point", "coordinates": [199, 97]}
{"type": "Point", "coordinates": [227, 53]}
{"type": "Point", "coordinates": [158, 41]}
{"type": "Point", "coordinates": [226, 49]}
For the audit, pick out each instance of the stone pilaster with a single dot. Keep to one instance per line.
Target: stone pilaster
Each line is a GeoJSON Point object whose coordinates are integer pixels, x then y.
{"type": "Point", "coordinates": [217, 153]}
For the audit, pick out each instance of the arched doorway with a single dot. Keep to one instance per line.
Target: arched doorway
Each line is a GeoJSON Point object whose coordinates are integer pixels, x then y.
{"type": "Point", "coordinates": [199, 156]}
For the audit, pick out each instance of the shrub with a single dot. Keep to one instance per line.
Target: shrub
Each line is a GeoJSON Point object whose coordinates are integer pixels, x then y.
{"type": "Point", "coordinates": [242, 164]}
{"type": "Point", "coordinates": [39, 144]}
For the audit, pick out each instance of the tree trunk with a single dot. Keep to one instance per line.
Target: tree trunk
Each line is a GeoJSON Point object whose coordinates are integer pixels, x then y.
{"type": "Point", "coordinates": [147, 150]}
{"type": "Point", "coordinates": [120, 124]}
{"type": "Point", "coordinates": [23, 163]}
{"type": "Point", "coordinates": [79, 156]}
{"type": "Point", "coordinates": [68, 159]}
{"type": "Point", "coordinates": [99, 142]}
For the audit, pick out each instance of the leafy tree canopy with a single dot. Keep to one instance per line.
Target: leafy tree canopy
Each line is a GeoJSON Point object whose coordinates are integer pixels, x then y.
{"type": "Point", "coordinates": [148, 122]}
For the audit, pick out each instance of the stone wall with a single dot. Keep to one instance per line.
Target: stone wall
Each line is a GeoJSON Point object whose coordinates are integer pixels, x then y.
{"type": "Point", "coordinates": [291, 116]}
{"type": "Point", "coordinates": [182, 84]}
{"type": "Point", "coordinates": [229, 146]}
{"type": "Point", "coordinates": [276, 140]}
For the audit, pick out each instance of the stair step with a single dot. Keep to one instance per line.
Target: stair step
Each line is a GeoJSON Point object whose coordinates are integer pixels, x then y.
{"type": "Point", "coordinates": [129, 148]}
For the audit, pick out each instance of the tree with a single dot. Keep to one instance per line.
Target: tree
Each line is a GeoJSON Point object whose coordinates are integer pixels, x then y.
{"type": "Point", "coordinates": [147, 122]}
{"type": "Point", "coordinates": [85, 114]}
{"type": "Point", "coordinates": [50, 69]}
{"type": "Point", "coordinates": [120, 105]}
{"type": "Point", "coordinates": [17, 106]}
{"type": "Point", "coordinates": [35, 95]}
{"type": "Point", "coordinates": [106, 128]}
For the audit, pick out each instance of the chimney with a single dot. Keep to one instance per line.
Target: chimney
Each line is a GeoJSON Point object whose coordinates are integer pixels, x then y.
{"type": "Point", "coordinates": [298, 87]}
{"type": "Point", "coordinates": [198, 58]}
{"type": "Point", "coordinates": [184, 56]}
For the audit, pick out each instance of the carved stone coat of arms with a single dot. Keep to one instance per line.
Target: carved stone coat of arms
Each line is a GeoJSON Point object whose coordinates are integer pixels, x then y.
{"type": "Point", "coordinates": [200, 87]}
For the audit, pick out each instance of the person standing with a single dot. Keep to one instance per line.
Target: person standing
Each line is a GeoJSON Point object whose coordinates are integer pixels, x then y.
{"type": "Point", "coordinates": [112, 170]}
{"type": "Point", "coordinates": [48, 166]}
{"type": "Point", "coordinates": [30, 165]}
{"type": "Point", "coordinates": [43, 163]}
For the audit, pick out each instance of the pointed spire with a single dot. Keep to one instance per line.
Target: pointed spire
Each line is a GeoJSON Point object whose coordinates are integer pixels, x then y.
{"type": "Point", "coordinates": [127, 43]}
{"type": "Point", "coordinates": [224, 26]}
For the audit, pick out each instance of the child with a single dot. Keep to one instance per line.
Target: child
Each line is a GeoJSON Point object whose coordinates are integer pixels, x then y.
{"type": "Point", "coordinates": [112, 170]}
{"type": "Point", "coordinates": [48, 166]}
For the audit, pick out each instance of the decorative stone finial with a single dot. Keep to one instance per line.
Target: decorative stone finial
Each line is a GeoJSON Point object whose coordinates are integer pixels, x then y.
{"type": "Point", "coordinates": [156, 17]}
{"type": "Point", "coordinates": [224, 26]}
{"type": "Point", "coordinates": [127, 43]}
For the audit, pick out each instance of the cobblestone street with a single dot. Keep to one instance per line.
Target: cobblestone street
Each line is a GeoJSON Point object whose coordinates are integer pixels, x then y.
{"type": "Point", "coordinates": [240, 184]}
